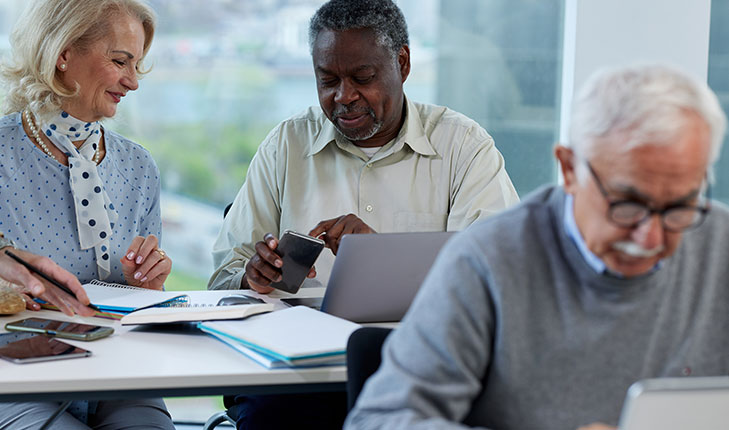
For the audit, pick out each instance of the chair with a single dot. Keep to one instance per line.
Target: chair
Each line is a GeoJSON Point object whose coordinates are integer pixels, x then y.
{"type": "Point", "coordinates": [364, 353]}
{"type": "Point", "coordinates": [217, 419]}
{"type": "Point", "coordinates": [227, 209]}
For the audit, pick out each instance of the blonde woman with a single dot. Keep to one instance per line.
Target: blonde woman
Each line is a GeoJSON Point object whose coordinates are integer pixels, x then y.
{"type": "Point", "coordinates": [71, 189]}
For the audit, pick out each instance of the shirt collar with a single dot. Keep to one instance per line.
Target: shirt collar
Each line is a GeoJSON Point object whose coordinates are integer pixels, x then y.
{"type": "Point", "coordinates": [412, 134]}
{"type": "Point", "coordinates": [570, 226]}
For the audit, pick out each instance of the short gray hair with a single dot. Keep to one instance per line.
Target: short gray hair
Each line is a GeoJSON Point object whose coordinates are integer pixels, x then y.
{"type": "Point", "coordinates": [382, 16]}
{"type": "Point", "coordinates": [648, 103]}
{"type": "Point", "coordinates": [47, 28]}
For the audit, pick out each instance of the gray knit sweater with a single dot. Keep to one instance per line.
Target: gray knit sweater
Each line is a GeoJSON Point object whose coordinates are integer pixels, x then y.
{"type": "Point", "coordinates": [512, 329]}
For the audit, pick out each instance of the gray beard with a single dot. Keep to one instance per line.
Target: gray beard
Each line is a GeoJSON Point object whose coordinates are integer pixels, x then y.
{"type": "Point", "coordinates": [360, 135]}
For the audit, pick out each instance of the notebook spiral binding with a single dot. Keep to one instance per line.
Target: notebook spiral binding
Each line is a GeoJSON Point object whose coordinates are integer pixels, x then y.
{"type": "Point", "coordinates": [114, 285]}
{"type": "Point", "coordinates": [177, 302]}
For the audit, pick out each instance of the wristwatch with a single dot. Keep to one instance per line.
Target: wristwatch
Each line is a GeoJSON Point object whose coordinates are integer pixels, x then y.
{"type": "Point", "coordinates": [4, 241]}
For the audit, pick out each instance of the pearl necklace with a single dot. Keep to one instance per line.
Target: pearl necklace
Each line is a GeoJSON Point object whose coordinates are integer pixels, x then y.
{"type": "Point", "coordinates": [36, 135]}
{"type": "Point", "coordinates": [42, 144]}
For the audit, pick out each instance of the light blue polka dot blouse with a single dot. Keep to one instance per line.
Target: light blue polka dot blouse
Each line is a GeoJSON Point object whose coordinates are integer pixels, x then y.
{"type": "Point", "coordinates": [36, 206]}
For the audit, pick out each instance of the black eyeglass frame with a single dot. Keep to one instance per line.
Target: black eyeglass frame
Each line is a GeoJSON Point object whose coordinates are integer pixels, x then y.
{"type": "Point", "coordinates": [701, 211]}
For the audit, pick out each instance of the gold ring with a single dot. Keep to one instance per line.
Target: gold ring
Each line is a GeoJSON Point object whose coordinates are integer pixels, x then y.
{"type": "Point", "coordinates": [162, 254]}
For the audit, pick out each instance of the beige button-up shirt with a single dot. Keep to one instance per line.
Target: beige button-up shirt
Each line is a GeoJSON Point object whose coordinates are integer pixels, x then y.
{"type": "Point", "coordinates": [441, 173]}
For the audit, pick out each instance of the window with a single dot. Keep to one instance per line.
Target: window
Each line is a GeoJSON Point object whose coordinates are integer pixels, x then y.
{"type": "Point", "coordinates": [719, 82]}
{"type": "Point", "coordinates": [499, 63]}
{"type": "Point", "coordinates": [226, 72]}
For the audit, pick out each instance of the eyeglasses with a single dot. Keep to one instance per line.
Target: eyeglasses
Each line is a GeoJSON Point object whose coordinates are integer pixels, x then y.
{"type": "Point", "coordinates": [630, 214]}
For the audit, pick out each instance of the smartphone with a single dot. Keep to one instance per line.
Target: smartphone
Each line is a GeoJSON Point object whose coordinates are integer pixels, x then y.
{"type": "Point", "coordinates": [64, 329]}
{"type": "Point", "coordinates": [298, 252]}
{"type": "Point", "coordinates": [31, 347]}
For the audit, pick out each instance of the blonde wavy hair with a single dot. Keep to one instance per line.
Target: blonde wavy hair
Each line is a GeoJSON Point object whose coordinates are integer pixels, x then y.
{"type": "Point", "coordinates": [46, 29]}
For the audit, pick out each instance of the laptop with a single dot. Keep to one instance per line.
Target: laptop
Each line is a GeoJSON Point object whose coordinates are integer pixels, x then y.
{"type": "Point", "coordinates": [695, 403]}
{"type": "Point", "coordinates": [376, 276]}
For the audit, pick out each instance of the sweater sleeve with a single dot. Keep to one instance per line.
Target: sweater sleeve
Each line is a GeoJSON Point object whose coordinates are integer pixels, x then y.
{"type": "Point", "coordinates": [432, 367]}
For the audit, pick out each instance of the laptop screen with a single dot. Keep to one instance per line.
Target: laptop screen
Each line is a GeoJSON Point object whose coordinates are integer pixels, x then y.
{"type": "Point", "coordinates": [376, 276]}
{"type": "Point", "coordinates": [690, 403]}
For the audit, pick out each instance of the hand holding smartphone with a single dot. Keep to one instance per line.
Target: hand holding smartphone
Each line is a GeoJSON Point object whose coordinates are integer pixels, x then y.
{"type": "Point", "coordinates": [298, 253]}
{"type": "Point", "coordinates": [63, 329]}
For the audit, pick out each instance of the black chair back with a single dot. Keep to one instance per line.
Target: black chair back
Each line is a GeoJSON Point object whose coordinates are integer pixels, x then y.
{"type": "Point", "coordinates": [363, 358]}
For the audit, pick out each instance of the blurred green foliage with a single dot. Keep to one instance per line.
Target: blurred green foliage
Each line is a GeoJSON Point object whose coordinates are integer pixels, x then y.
{"type": "Point", "coordinates": [207, 166]}
{"type": "Point", "coordinates": [182, 281]}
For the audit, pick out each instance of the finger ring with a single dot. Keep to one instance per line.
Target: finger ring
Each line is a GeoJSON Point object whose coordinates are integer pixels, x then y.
{"type": "Point", "coordinates": [162, 254]}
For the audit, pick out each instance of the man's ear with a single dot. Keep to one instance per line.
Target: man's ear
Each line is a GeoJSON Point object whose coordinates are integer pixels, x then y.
{"type": "Point", "coordinates": [403, 60]}
{"type": "Point", "coordinates": [568, 165]}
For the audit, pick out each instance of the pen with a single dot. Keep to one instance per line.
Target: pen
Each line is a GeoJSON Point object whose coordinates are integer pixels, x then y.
{"type": "Point", "coordinates": [46, 277]}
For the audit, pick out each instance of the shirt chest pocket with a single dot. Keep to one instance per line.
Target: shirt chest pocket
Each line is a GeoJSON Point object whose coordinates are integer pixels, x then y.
{"type": "Point", "coordinates": [419, 221]}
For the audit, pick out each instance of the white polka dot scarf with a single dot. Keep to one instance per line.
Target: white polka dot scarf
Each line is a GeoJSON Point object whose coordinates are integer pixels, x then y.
{"type": "Point", "coordinates": [95, 214]}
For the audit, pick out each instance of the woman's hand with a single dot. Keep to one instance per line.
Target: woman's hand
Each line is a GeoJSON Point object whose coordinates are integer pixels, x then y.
{"type": "Point", "coordinates": [29, 285]}
{"type": "Point", "coordinates": [145, 265]}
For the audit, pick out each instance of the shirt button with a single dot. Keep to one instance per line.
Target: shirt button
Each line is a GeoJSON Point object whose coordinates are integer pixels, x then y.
{"type": "Point", "coordinates": [369, 165]}
{"type": "Point", "coordinates": [369, 208]}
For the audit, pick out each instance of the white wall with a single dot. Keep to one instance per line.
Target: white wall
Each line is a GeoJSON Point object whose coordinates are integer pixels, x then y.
{"type": "Point", "coordinates": [601, 33]}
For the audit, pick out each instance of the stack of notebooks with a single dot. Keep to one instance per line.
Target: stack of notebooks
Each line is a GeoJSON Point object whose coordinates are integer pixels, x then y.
{"type": "Point", "coordinates": [134, 305]}
{"type": "Point", "coordinates": [293, 337]}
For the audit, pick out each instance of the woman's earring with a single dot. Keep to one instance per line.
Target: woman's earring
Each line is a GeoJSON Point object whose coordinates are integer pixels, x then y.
{"type": "Point", "coordinates": [62, 66]}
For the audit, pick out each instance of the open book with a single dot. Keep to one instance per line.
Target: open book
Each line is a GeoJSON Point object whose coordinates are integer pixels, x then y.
{"type": "Point", "coordinates": [157, 315]}
{"type": "Point", "coordinates": [298, 336]}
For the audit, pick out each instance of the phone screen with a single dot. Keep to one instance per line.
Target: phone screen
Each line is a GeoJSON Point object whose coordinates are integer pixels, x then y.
{"type": "Point", "coordinates": [69, 330]}
{"type": "Point", "coordinates": [298, 252]}
{"type": "Point", "coordinates": [32, 347]}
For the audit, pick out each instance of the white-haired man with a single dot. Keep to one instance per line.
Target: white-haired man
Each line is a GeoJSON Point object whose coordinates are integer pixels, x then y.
{"type": "Point", "coordinates": [618, 275]}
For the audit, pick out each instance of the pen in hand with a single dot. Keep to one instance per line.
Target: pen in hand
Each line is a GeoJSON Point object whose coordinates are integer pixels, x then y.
{"type": "Point", "coordinates": [46, 277]}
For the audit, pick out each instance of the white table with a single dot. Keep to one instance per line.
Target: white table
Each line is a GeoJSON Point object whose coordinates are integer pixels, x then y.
{"type": "Point", "coordinates": [153, 362]}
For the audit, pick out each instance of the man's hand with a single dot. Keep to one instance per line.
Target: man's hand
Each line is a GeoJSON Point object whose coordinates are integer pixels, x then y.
{"type": "Point", "coordinates": [332, 230]}
{"type": "Point", "coordinates": [265, 266]}
{"type": "Point", "coordinates": [31, 285]}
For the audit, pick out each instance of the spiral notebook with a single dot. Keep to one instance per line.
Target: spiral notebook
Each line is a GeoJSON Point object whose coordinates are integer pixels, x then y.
{"type": "Point", "coordinates": [143, 306]}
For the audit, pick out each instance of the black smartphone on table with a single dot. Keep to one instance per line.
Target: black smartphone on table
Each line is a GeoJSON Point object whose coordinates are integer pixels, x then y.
{"type": "Point", "coordinates": [31, 348]}
{"type": "Point", "coordinates": [298, 253]}
{"type": "Point", "coordinates": [64, 329]}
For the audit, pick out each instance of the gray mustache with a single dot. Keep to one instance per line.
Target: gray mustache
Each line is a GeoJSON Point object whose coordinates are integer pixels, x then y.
{"type": "Point", "coordinates": [351, 110]}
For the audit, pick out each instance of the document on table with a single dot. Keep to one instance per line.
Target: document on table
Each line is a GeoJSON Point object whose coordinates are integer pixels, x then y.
{"type": "Point", "coordinates": [298, 335]}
